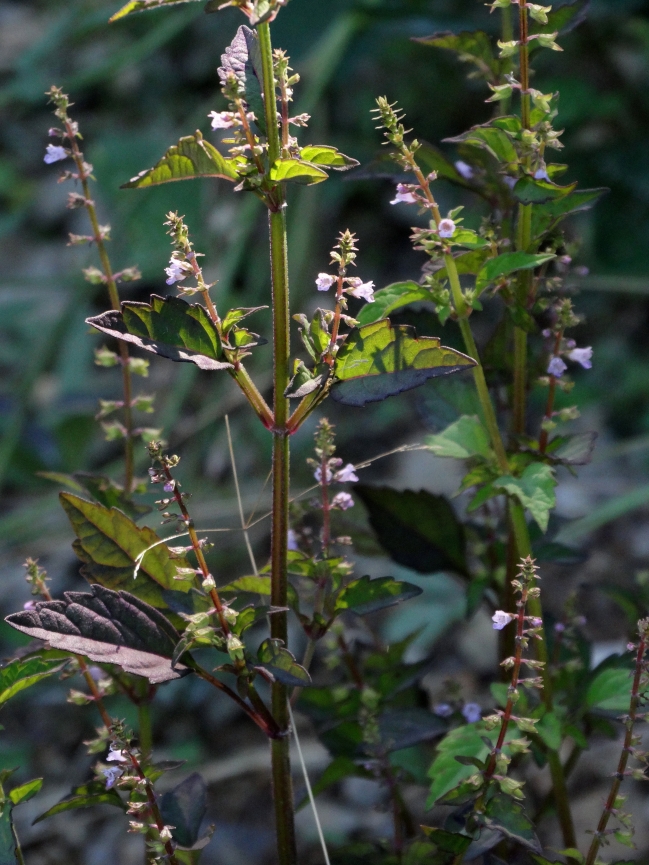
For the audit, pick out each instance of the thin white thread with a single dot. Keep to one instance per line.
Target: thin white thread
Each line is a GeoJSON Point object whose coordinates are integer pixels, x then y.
{"type": "Point", "coordinates": [236, 486]}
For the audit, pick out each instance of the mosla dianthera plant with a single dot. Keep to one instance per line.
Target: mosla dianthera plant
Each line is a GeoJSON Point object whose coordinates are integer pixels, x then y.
{"type": "Point", "coordinates": [155, 612]}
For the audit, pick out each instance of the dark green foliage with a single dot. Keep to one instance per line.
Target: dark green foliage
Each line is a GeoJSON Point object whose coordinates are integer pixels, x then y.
{"type": "Point", "coordinates": [365, 595]}
{"type": "Point", "coordinates": [85, 796]}
{"type": "Point", "coordinates": [184, 808]}
{"type": "Point", "coordinates": [282, 664]}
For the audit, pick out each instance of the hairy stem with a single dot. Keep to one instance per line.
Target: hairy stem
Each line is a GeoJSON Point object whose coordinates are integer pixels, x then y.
{"type": "Point", "coordinates": [281, 765]}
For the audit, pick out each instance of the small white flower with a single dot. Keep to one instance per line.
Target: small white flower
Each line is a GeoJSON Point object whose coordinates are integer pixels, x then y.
{"type": "Point", "coordinates": [500, 619]}
{"type": "Point", "coordinates": [165, 833]}
{"type": "Point", "coordinates": [472, 712]}
{"type": "Point", "coordinates": [404, 195]}
{"type": "Point", "coordinates": [556, 367]}
{"type": "Point", "coordinates": [317, 474]}
{"type": "Point", "coordinates": [111, 775]}
{"type": "Point", "coordinates": [177, 270]}
{"type": "Point", "coordinates": [115, 755]}
{"type": "Point", "coordinates": [54, 153]}
{"type": "Point", "coordinates": [221, 119]}
{"type": "Point", "coordinates": [292, 541]}
{"type": "Point", "coordinates": [29, 605]}
{"type": "Point", "coordinates": [582, 356]}
{"type": "Point", "coordinates": [442, 710]}
{"type": "Point", "coordinates": [446, 228]}
{"type": "Point", "coordinates": [343, 501]}
{"type": "Point", "coordinates": [535, 621]}
{"type": "Point", "coordinates": [324, 281]}
{"type": "Point", "coordinates": [464, 169]}
{"type": "Point", "coordinates": [360, 289]}
{"type": "Point", "coordinates": [347, 475]}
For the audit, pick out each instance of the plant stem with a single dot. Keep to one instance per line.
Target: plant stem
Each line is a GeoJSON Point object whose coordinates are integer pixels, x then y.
{"type": "Point", "coordinates": [265, 722]}
{"type": "Point", "coordinates": [281, 766]}
{"type": "Point", "coordinates": [144, 727]}
{"type": "Point", "coordinates": [113, 295]}
{"type": "Point", "coordinates": [627, 747]}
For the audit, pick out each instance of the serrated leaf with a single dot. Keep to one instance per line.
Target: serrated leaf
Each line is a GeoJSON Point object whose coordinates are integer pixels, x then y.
{"type": "Point", "coordinates": [242, 58]}
{"type": "Point", "coordinates": [107, 627]}
{"type": "Point", "coordinates": [508, 262]}
{"type": "Point", "coordinates": [169, 327]}
{"type": "Point", "coordinates": [92, 793]}
{"type": "Point", "coordinates": [22, 673]}
{"type": "Point", "coordinates": [26, 791]}
{"type": "Point", "coordinates": [364, 596]}
{"type": "Point", "coordinates": [530, 190]}
{"type": "Point", "coordinates": [184, 808]}
{"type": "Point", "coordinates": [379, 360]}
{"type": "Point", "coordinates": [546, 216]}
{"type": "Point", "coordinates": [446, 773]}
{"type": "Point", "coordinates": [280, 662]}
{"type": "Point", "coordinates": [491, 138]}
{"type": "Point", "coordinates": [418, 529]}
{"type": "Point", "coordinates": [509, 817]}
{"type": "Point", "coordinates": [296, 171]}
{"type": "Point", "coordinates": [108, 543]}
{"type": "Point", "coordinates": [610, 690]}
{"type": "Point", "coordinates": [466, 437]}
{"type": "Point", "coordinates": [234, 316]}
{"type": "Point", "coordinates": [192, 157]}
{"type": "Point", "coordinates": [470, 46]}
{"type": "Point", "coordinates": [404, 728]}
{"type": "Point", "coordinates": [143, 6]}
{"type": "Point", "coordinates": [395, 296]}
{"type": "Point", "coordinates": [534, 489]}
{"type": "Point", "coordinates": [329, 157]}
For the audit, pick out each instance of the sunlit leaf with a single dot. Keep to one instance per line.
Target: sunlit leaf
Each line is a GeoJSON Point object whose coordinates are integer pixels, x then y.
{"type": "Point", "coordinates": [534, 489]}
{"type": "Point", "coordinates": [466, 437]}
{"type": "Point", "coordinates": [26, 791]}
{"type": "Point", "coordinates": [365, 595]}
{"type": "Point", "coordinates": [418, 529]}
{"type": "Point", "coordinates": [379, 360]}
{"type": "Point", "coordinates": [107, 627]}
{"type": "Point", "coordinates": [395, 296]}
{"type": "Point", "coordinates": [22, 673]}
{"type": "Point", "coordinates": [491, 138]}
{"type": "Point", "coordinates": [143, 6]}
{"type": "Point", "coordinates": [192, 157]}
{"type": "Point", "coordinates": [242, 58]}
{"type": "Point", "coordinates": [508, 262]}
{"type": "Point", "coordinates": [280, 662]}
{"type": "Point", "coordinates": [329, 157]}
{"type": "Point", "coordinates": [109, 543]}
{"type": "Point", "coordinates": [297, 171]}
{"type": "Point", "coordinates": [168, 327]}
{"type": "Point", "coordinates": [92, 793]}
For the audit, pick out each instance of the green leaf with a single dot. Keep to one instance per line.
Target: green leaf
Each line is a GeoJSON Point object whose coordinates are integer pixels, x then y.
{"type": "Point", "coordinates": [280, 662]}
{"type": "Point", "coordinates": [107, 627]}
{"type": "Point", "coordinates": [446, 773]}
{"type": "Point", "coordinates": [610, 690]}
{"type": "Point", "coordinates": [573, 450]}
{"type": "Point", "coordinates": [303, 382]}
{"type": "Point", "coordinates": [509, 817]}
{"type": "Point", "coordinates": [102, 488]}
{"type": "Point", "coordinates": [470, 46]}
{"type": "Point", "coordinates": [449, 846]}
{"type": "Point", "coordinates": [234, 316]}
{"type": "Point", "coordinates": [22, 673]}
{"type": "Point", "coordinates": [365, 595]}
{"type": "Point", "coordinates": [418, 529]}
{"type": "Point", "coordinates": [108, 543]}
{"type": "Point", "coordinates": [464, 438]}
{"type": "Point", "coordinates": [258, 585]}
{"type": "Point", "coordinates": [492, 139]}
{"type": "Point", "coordinates": [26, 791]}
{"type": "Point", "coordinates": [184, 808]}
{"type": "Point", "coordinates": [561, 19]}
{"type": "Point", "coordinates": [386, 300]}
{"type": "Point", "coordinates": [549, 729]}
{"type": "Point", "coordinates": [7, 837]}
{"type": "Point", "coordinates": [534, 490]}
{"type": "Point", "coordinates": [143, 6]}
{"type": "Point", "coordinates": [546, 216]}
{"type": "Point", "coordinates": [192, 157]}
{"type": "Point", "coordinates": [507, 263]}
{"type": "Point", "coordinates": [529, 190]}
{"type": "Point", "coordinates": [379, 360]}
{"type": "Point", "coordinates": [297, 171]}
{"type": "Point", "coordinates": [92, 793]}
{"type": "Point", "coordinates": [322, 154]}
{"type": "Point", "coordinates": [431, 158]}
{"type": "Point", "coordinates": [404, 728]}
{"type": "Point", "coordinates": [169, 327]}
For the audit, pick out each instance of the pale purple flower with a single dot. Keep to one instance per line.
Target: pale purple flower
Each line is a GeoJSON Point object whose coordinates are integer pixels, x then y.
{"type": "Point", "coordinates": [535, 621]}
{"type": "Point", "coordinates": [446, 228]}
{"type": "Point", "coordinates": [556, 367]}
{"type": "Point", "coordinates": [582, 356]}
{"type": "Point", "coordinates": [347, 475]}
{"type": "Point", "coordinates": [324, 281]}
{"type": "Point", "coordinates": [29, 605]}
{"type": "Point", "coordinates": [342, 501]}
{"type": "Point", "coordinates": [500, 619]}
{"type": "Point", "coordinates": [111, 775]}
{"type": "Point", "coordinates": [292, 541]}
{"type": "Point", "coordinates": [221, 119]}
{"type": "Point", "coordinates": [115, 755]}
{"type": "Point", "coordinates": [169, 487]}
{"type": "Point", "coordinates": [442, 710]}
{"type": "Point", "coordinates": [464, 169]}
{"type": "Point", "coordinates": [541, 174]}
{"type": "Point", "coordinates": [559, 627]}
{"type": "Point", "coordinates": [54, 153]}
{"type": "Point", "coordinates": [360, 289]}
{"type": "Point", "coordinates": [317, 474]}
{"type": "Point", "coordinates": [509, 181]}
{"type": "Point", "coordinates": [96, 672]}
{"type": "Point", "coordinates": [472, 712]}
{"type": "Point", "coordinates": [404, 195]}
{"type": "Point", "coordinates": [177, 270]}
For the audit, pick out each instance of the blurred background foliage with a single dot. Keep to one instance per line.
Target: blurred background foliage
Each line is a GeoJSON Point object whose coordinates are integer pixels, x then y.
{"type": "Point", "coordinates": [138, 86]}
